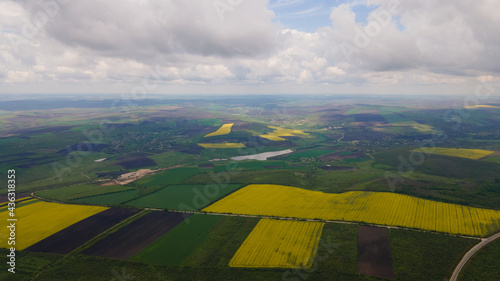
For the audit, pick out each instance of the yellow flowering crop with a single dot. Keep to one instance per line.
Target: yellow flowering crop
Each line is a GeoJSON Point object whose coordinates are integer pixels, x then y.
{"type": "Point", "coordinates": [460, 152]}
{"type": "Point", "coordinates": [382, 208]}
{"type": "Point", "coordinates": [278, 133]}
{"type": "Point", "coordinates": [481, 106]}
{"type": "Point", "coordinates": [38, 221]}
{"type": "Point", "coordinates": [224, 130]}
{"type": "Point", "coordinates": [279, 244]}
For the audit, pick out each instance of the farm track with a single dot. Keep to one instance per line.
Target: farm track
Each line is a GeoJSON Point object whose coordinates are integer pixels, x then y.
{"type": "Point", "coordinates": [471, 253]}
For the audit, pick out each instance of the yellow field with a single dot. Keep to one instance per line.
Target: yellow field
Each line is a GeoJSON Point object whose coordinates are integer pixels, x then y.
{"type": "Point", "coordinates": [279, 244]}
{"type": "Point", "coordinates": [222, 145]}
{"type": "Point", "coordinates": [224, 130]}
{"type": "Point", "coordinates": [461, 152]}
{"type": "Point", "coordinates": [382, 208]}
{"type": "Point", "coordinates": [278, 133]}
{"type": "Point", "coordinates": [38, 221]}
{"type": "Point", "coordinates": [481, 106]}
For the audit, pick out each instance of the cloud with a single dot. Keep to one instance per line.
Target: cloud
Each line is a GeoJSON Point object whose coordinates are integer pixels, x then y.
{"type": "Point", "coordinates": [238, 43]}
{"type": "Point", "coordinates": [137, 29]}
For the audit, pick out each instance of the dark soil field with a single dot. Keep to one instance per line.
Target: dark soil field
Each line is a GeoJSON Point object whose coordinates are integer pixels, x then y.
{"type": "Point", "coordinates": [68, 239]}
{"type": "Point", "coordinates": [374, 252]}
{"type": "Point", "coordinates": [134, 237]}
{"type": "Point", "coordinates": [136, 163]}
{"type": "Point", "coordinates": [4, 198]}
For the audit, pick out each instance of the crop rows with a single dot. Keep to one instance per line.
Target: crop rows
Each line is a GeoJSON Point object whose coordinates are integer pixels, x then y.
{"type": "Point", "coordinates": [371, 207]}
{"type": "Point", "coordinates": [39, 220]}
{"type": "Point", "coordinates": [279, 244]}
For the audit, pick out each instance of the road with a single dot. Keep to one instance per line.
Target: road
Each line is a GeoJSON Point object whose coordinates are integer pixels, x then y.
{"type": "Point", "coordinates": [470, 253]}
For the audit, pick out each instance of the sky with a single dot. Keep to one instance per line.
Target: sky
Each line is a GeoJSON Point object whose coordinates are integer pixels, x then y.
{"type": "Point", "coordinates": [399, 47]}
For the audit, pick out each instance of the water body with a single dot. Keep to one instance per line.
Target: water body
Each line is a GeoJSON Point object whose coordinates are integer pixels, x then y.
{"type": "Point", "coordinates": [262, 156]}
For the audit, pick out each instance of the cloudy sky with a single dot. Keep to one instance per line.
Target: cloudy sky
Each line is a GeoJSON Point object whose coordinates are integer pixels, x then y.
{"type": "Point", "coordinates": [249, 46]}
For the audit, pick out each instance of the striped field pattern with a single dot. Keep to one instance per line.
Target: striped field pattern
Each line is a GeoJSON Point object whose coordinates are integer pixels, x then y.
{"type": "Point", "coordinates": [39, 220]}
{"type": "Point", "coordinates": [279, 244]}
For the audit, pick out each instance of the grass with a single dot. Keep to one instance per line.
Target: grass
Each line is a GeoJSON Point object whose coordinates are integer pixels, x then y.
{"type": "Point", "coordinates": [178, 244]}
{"type": "Point", "coordinates": [177, 197]}
{"type": "Point", "coordinates": [110, 199]}
{"type": "Point", "coordinates": [79, 191]}
{"type": "Point", "coordinates": [426, 256]}
{"type": "Point", "coordinates": [484, 265]}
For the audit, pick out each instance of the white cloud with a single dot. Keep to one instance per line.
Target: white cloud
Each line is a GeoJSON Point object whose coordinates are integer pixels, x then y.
{"type": "Point", "coordinates": [193, 43]}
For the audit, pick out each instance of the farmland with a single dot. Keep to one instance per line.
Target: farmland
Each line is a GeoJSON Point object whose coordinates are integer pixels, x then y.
{"type": "Point", "coordinates": [79, 191]}
{"type": "Point", "coordinates": [279, 244]}
{"type": "Point", "coordinates": [370, 207]}
{"type": "Point", "coordinates": [40, 220]}
{"type": "Point", "coordinates": [347, 163]}
{"type": "Point", "coordinates": [134, 237]}
{"type": "Point", "coordinates": [459, 152]}
{"type": "Point", "coordinates": [81, 232]}
{"type": "Point", "coordinates": [189, 197]}
{"type": "Point", "coordinates": [374, 252]}
{"type": "Point", "coordinates": [223, 130]}
{"type": "Point", "coordinates": [278, 133]}
{"type": "Point", "coordinates": [222, 145]}
{"type": "Point", "coordinates": [177, 245]}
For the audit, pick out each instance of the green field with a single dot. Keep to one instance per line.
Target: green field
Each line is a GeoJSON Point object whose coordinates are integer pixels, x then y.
{"type": "Point", "coordinates": [223, 241]}
{"type": "Point", "coordinates": [79, 191]}
{"type": "Point", "coordinates": [184, 197]}
{"type": "Point", "coordinates": [110, 199]}
{"type": "Point", "coordinates": [310, 153]}
{"type": "Point", "coordinates": [179, 243]}
{"type": "Point", "coordinates": [174, 176]}
{"type": "Point", "coordinates": [426, 256]}
{"type": "Point", "coordinates": [484, 265]}
{"type": "Point", "coordinates": [27, 264]}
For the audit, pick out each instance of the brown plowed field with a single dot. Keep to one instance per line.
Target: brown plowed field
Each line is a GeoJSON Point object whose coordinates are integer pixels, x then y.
{"type": "Point", "coordinates": [77, 234]}
{"type": "Point", "coordinates": [374, 252]}
{"type": "Point", "coordinates": [134, 237]}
